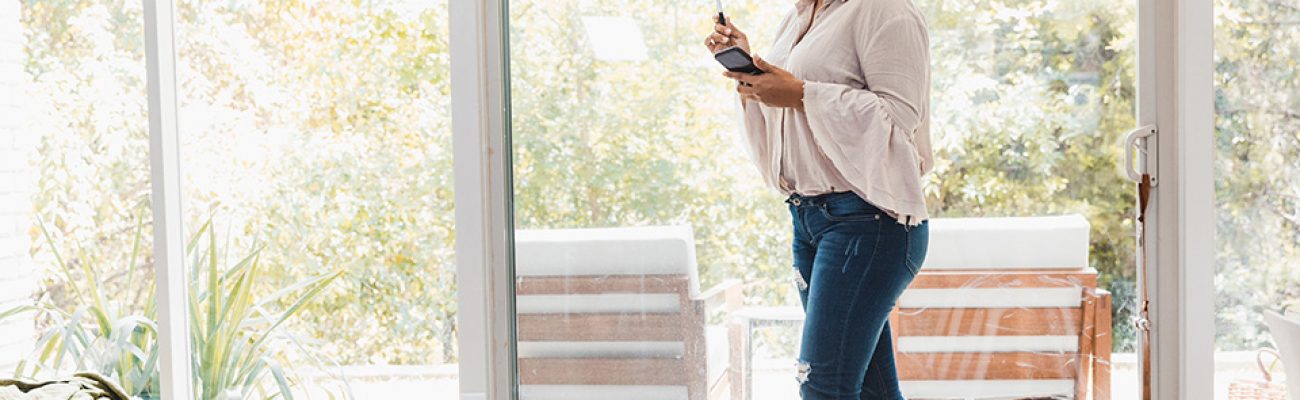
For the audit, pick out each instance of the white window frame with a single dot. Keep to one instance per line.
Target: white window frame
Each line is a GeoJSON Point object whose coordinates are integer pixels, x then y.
{"type": "Point", "coordinates": [484, 217]}
{"type": "Point", "coordinates": [482, 213]}
{"type": "Point", "coordinates": [165, 173]}
{"type": "Point", "coordinates": [1176, 92]}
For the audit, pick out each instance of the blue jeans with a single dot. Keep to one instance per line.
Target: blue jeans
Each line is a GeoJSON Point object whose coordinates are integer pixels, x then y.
{"type": "Point", "coordinates": [852, 262]}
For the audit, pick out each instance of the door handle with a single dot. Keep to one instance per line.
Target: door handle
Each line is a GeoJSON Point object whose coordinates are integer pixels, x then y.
{"type": "Point", "coordinates": [1130, 146]}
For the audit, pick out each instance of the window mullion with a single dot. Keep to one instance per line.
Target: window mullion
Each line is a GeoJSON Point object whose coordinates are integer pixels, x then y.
{"type": "Point", "coordinates": [169, 247]}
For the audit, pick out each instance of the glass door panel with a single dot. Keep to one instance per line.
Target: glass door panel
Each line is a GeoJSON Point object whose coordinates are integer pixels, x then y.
{"type": "Point", "coordinates": [651, 261]}
{"type": "Point", "coordinates": [1030, 99]}
{"type": "Point", "coordinates": [76, 231]}
{"type": "Point", "coordinates": [1257, 168]}
{"type": "Point", "coordinates": [315, 141]}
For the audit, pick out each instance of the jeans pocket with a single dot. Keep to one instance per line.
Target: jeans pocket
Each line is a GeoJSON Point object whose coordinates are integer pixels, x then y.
{"type": "Point", "coordinates": [918, 242]}
{"type": "Point", "coordinates": [852, 215]}
{"type": "Point", "coordinates": [912, 266]}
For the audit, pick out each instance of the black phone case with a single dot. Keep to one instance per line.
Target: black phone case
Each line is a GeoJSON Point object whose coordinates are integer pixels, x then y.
{"type": "Point", "coordinates": [748, 68]}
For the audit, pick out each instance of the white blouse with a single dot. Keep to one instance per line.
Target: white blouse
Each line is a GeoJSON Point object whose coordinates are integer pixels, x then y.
{"type": "Point", "coordinates": [865, 123]}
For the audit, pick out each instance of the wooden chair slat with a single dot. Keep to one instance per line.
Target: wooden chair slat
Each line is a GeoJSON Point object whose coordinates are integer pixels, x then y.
{"type": "Point", "coordinates": [600, 327]}
{"type": "Point", "coordinates": [1089, 321]}
{"type": "Point", "coordinates": [1087, 338]}
{"type": "Point", "coordinates": [1005, 279]}
{"type": "Point", "coordinates": [986, 366]}
{"type": "Point", "coordinates": [639, 284]}
{"type": "Point", "coordinates": [1102, 347]}
{"type": "Point", "coordinates": [986, 321]}
{"type": "Point", "coordinates": [603, 371]}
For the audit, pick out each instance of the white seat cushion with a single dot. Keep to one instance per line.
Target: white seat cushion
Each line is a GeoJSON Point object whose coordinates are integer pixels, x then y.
{"type": "Point", "coordinates": [657, 250]}
{"type": "Point", "coordinates": [1057, 242]}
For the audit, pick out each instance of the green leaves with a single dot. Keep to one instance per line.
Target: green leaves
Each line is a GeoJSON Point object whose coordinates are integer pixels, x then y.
{"type": "Point", "coordinates": [234, 329]}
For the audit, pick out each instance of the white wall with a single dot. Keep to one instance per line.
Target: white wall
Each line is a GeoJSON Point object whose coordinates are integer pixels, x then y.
{"type": "Point", "coordinates": [16, 276]}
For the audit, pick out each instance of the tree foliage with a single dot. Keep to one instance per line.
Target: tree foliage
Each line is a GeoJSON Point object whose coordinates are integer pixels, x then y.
{"type": "Point", "coordinates": [320, 129]}
{"type": "Point", "coordinates": [1257, 166]}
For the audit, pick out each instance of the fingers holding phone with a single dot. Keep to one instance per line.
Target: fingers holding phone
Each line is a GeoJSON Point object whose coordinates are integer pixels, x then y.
{"type": "Point", "coordinates": [747, 92]}
{"type": "Point", "coordinates": [725, 36]}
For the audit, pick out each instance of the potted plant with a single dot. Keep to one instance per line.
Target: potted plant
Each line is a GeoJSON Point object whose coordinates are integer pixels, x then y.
{"type": "Point", "coordinates": [233, 331]}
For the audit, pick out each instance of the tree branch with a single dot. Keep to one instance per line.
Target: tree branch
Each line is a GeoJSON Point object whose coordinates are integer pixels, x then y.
{"type": "Point", "coordinates": [1267, 22]}
{"type": "Point", "coordinates": [1276, 4]}
{"type": "Point", "coordinates": [1288, 114]}
{"type": "Point", "coordinates": [1280, 208]}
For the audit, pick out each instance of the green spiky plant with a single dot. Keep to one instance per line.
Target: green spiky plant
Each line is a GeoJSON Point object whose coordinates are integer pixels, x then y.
{"type": "Point", "coordinates": [234, 333]}
{"type": "Point", "coordinates": [111, 335]}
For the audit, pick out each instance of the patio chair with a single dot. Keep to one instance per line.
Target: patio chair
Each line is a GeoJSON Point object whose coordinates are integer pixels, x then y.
{"type": "Point", "coordinates": [1286, 335]}
{"type": "Point", "coordinates": [1005, 308]}
{"type": "Point", "coordinates": [618, 314]}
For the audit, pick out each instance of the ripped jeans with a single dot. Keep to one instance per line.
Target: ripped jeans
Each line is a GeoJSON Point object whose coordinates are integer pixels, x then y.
{"type": "Point", "coordinates": [852, 262]}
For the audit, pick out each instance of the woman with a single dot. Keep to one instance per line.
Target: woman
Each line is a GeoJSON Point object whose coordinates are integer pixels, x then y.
{"type": "Point", "coordinates": [839, 122]}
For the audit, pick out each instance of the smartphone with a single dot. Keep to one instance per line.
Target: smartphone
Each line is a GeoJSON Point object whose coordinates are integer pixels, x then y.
{"type": "Point", "coordinates": [735, 59]}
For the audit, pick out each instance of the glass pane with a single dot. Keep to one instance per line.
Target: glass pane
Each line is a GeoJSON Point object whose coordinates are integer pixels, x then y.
{"type": "Point", "coordinates": [75, 218]}
{"type": "Point", "coordinates": [316, 142]}
{"type": "Point", "coordinates": [653, 262]}
{"type": "Point", "coordinates": [1030, 101]}
{"type": "Point", "coordinates": [1257, 169]}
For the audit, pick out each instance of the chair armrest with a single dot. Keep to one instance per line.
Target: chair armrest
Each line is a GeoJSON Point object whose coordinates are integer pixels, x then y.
{"type": "Point", "coordinates": [729, 295]}
{"type": "Point", "coordinates": [1097, 293]}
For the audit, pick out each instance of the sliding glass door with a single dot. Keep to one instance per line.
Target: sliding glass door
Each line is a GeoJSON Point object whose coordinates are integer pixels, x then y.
{"type": "Point", "coordinates": [314, 141]}
{"type": "Point", "coordinates": [650, 261]}
{"type": "Point", "coordinates": [1257, 275]}
{"type": "Point", "coordinates": [76, 242]}
{"type": "Point", "coordinates": [317, 227]}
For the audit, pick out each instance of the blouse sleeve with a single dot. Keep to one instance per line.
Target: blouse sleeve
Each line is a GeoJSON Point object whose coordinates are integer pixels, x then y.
{"type": "Point", "coordinates": [755, 137]}
{"type": "Point", "coordinates": [876, 124]}
{"type": "Point", "coordinates": [754, 122]}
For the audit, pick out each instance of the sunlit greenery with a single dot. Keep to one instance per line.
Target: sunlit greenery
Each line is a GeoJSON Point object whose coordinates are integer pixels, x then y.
{"type": "Point", "coordinates": [1257, 81]}
{"type": "Point", "coordinates": [328, 123]}
{"type": "Point", "coordinates": [319, 129]}
{"type": "Point", "coordinates": [238, 349]}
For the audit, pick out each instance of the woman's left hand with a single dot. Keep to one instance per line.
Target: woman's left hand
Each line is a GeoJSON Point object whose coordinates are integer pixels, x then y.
{"type": "Point", "coordinates": [776, 87]}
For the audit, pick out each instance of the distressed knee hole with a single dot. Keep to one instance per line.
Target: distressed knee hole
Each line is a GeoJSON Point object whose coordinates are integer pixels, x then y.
{"type": "Point", "coordinates": [801, 372]}
{"type": "Point", "coordinates": [799, 281]}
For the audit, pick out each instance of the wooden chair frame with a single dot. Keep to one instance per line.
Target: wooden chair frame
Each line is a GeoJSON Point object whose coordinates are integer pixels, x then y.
{"type": "Point", "coordinates": [1091, 321]}
{"type": "Point", "coordinates": [687, 326]}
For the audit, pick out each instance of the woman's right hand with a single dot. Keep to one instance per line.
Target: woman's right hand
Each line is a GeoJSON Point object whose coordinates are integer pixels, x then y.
{"type": "Point", "coordinates": [725, 36]}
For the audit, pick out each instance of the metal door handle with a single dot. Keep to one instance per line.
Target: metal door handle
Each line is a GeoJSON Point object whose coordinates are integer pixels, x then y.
{"type": "Point", "coordinates": [1130, 144]}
